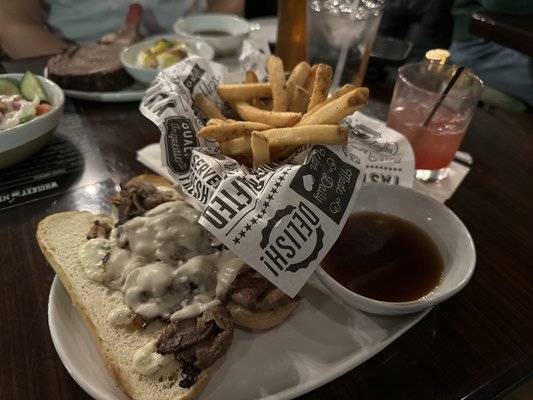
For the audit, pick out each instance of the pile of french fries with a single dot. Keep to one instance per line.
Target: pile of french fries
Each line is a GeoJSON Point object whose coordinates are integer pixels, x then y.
{"type": "Point", "coordinates": [279, 116]}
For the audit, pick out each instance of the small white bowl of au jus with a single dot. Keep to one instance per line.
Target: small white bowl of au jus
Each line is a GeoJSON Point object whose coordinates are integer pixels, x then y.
{"type": "Point", "coordinates": [225, 32]}
{"type": "Point", "coordinates": [400, 252]}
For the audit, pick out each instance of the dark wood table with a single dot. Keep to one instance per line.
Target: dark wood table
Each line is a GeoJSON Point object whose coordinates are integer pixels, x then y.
{"type": "Point", "coordinates": [476, 345]}
{"type": "Point", "coordinates": [515, 32]}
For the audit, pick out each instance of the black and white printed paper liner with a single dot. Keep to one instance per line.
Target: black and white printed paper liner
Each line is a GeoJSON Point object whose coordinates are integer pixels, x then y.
{"type": "Point", "coordinates": [281, 219]}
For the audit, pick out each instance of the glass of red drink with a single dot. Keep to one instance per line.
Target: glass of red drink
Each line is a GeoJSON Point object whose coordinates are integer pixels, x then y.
{"type": "Point", "coordinates": [416, 93]}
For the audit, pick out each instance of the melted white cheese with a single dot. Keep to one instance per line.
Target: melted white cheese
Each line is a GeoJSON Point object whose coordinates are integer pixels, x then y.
{"type": "Point", "coordinates": [153, 291]}
{"type": "Point", "coordinates": [146, 360]}
{"type": "Point", "coordinates": [120, 316]}
{"type": "Point", "coordinates": [167, 267]}
{"type": "Point", "coordinates": [195, 308]}
{"type": "Point", "coordinates": [168, 232]}
{"type": "Point", "coordinates": [91, 257]}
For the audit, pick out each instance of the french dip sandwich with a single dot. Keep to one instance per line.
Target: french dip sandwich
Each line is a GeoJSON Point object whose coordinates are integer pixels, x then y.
{"type": "Point", "coordinates": [160, 295]}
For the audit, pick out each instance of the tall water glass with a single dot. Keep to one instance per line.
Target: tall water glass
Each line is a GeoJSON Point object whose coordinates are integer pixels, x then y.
{"type": "Point", "coordinates": [341, 33]}
{"type": "Point", "coordinates": [434, 140]}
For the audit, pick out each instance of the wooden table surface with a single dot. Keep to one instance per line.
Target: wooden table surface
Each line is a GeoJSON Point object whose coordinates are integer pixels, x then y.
{"type": "Point", "coordinates": [515, 32]}
{"type": "Point", "coordinates": [473, 346]}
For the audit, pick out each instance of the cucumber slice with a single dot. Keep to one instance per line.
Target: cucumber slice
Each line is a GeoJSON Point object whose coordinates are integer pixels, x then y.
{"type": "Point", "coordinates": [30, 86]}
{"type": "Point", "coordinates": [8, 87]}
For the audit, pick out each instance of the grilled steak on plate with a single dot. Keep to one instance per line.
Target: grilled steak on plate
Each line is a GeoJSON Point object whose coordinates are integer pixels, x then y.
{"type": "Point", "coordinates": [96, 67]}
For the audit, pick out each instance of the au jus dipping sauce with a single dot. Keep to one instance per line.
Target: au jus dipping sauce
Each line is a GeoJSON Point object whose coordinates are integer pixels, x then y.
{"type": "Point", "coordinates": [213, 33]}
{"type": "Point", "coordinates": [385, 258]}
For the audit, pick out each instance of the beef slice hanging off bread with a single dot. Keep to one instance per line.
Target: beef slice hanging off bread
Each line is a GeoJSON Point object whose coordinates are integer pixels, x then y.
{"type": "Point", "coordinates": [97, 67]}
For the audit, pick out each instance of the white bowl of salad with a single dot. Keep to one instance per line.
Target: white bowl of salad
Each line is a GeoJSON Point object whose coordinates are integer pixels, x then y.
{"type": "Point", "coordinates": [31, 107]}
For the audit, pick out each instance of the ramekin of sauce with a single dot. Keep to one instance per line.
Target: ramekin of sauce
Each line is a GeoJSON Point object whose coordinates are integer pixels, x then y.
{"type": "Point", "coordinates": [400, 251]}
{"type": "Point", "coordinates": [384, 257]}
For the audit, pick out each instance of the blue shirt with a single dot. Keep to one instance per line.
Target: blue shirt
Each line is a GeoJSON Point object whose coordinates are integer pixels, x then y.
{"type": "Point", "coordinates": [85, 21]}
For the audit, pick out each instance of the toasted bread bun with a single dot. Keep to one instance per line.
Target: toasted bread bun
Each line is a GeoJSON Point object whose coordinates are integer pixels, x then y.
{"type": "Point", "coordinates": [245, 318]}
{"type": "Point", "coordinates": [60, 237]}
{"type": "Point", "coordinates": [156, 180]}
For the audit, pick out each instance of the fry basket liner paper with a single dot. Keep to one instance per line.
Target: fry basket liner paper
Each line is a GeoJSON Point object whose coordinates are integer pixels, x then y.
{"type": "Point", "coordinates": [280, 219]}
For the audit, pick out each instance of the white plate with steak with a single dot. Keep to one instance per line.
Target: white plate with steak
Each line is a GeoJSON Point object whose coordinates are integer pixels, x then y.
{"type": "Point", "coordinates": [134, 92]}
{"type": "Point", "coordinates": [96, 67]}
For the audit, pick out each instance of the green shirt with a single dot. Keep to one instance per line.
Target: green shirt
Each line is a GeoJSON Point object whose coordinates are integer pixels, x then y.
{"type": "Point", "coordinates": [462, 11]}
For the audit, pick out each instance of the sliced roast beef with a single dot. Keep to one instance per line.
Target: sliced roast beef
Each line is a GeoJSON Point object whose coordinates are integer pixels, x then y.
{"type": "Point", "coordinates": [254, 292]}
{"type": "Point", "coordinates": [200, 340]}
{"type": "Point", "coordinates": [138, 322]}
{"type": "Point", "coordinates": [97, 67]}
{"type": "Point", "coordinates": [136, 199]}
{"type": "Point", "coordinates": [99, 230]}
{"type": "Point", "coordinates": [189, 375]}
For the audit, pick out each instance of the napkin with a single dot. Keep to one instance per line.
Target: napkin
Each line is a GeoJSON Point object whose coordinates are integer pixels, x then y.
{"type": "Point", "coordinates": [150, 156]}
{"type": "Point", "coordinates": [443, 190]}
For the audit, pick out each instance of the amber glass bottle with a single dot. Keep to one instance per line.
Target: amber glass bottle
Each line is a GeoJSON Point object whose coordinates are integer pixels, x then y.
{"type": "Point", "coordinates": [292, 34]}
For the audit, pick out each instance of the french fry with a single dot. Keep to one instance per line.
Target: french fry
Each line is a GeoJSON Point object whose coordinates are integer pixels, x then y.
{"type": "Point", "coordinates": [231, 130]}
{"type": "Point", "coordinates": [300, 135]}
{"type": "Point", "coordinates": [338, 93]}
{"type": "Point", "coordinates": [251, 77]}
{"type": "Point", "coordinates": [277, 119]}
{"type": "Point", "coordinates": [238, 146]}
{"type": "Point", "coordinates": [263, 104]}
{"type": "Point", "coordinates": [278, 85]}
{"type": "Point", "coordinates": [321, 85]}
{"type": "Point", "coordinates": [207, 108]}
{"type": "Point", "coordinates": [310, 81]}
{"type": "Point", "coordinates": [216, 121]}
{"type": "Point", "coordinates": [280, 116]}
{"type": "Point", "coordinates": [260, 149]}
{"type": "Point", "coordinates": [244, 91]}
{"type": "Point", "coordinates": [300, 100]}
{"type": "Point", "coordinates": [285, 141]}
{"type": "Point", "coordinates": [239, 149]}
{"type": "Point", "coordinates": [339, 108]}
{"type": "Point", "coordinates": [297, 78]}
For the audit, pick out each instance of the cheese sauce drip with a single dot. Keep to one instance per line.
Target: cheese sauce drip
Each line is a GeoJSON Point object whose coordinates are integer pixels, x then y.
{"type": "Point", "coordinates": [163, 262]}
{"type": "Point", "coordinates": [120, 316]}
{"type": "Point", "coordinates": [146, 360]}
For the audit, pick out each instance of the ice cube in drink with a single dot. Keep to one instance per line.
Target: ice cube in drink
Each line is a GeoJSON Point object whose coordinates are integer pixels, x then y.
{"type": "Point", "coordinates": [334, 27]}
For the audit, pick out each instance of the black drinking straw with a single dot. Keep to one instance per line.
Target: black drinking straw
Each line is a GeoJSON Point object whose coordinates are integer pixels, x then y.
{"type": "Point", "coordinates": [443, 95]}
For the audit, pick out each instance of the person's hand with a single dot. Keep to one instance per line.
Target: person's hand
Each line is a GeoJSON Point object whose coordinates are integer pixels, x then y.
{"type": "Point", "coordinates": [23, 32]}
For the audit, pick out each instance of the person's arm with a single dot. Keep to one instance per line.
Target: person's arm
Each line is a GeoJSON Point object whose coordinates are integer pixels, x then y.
{"type": "Point", "coordinates": [226, 6]}
{"type": "Point", "coordinates": [23, 32]}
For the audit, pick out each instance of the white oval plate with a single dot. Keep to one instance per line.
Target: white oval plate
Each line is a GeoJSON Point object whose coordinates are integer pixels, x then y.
{"type": "Point", "coordinates": [134, 92]}
{"type": "Point", "coordinates": [321, 341]}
